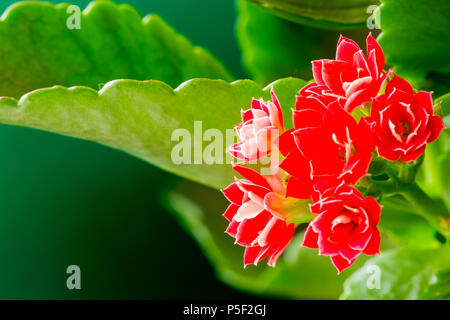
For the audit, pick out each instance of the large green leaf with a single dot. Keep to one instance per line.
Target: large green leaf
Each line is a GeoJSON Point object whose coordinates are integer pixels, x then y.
{"type": "Point", "coordinates": [300, 272]}
{"type": "Point", "coordinates": [140, 118]}
{"type": "Point", "coordinates": [273, 48]}
{"type": "Point", "coordinates": [415, 38]}
{"type": "Point", "coordinates": [38, 49]}
{"type": "Point", "coordinates": [322, 13]}
{"type": "Point", "coordinates": [403, 274]}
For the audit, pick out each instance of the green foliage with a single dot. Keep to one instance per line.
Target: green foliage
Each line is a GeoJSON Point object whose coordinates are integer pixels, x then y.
{"type": "Point", "coordinates": [274, 48]}
{"type": "Point", "coordinates": [403, 274]}
{"type": "Point", "coordinates": [38, 50]}
{"type": "Point", "coordinates": [321, 13]}
{"type": "Point", "coordinates": [416, 41]}
{"type": "Point", "coordinates": [439, 289]}
{"type": "Point", "coordinates": [434, 174]}
{"type": "Point", "coordinates": [140, 117]}
{"type": "Point", "coordinates": [405, 228]}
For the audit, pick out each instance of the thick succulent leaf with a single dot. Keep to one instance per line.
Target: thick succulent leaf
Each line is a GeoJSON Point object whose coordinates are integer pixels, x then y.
{"type": "Point", "coordinates": [403, 274]}
{"type": "Point", "coordinates": [38, 50]}
{"type": "Point", "coordinates": [300, 272]}
{"type": "Point", "coordinates": [274, 48]}
{"type": "Point", "coordinates": [321, 13]}
{"type": "Point", "coordinates": [140, 117]}
{"type": "Point", "coordinates": [415, 38]}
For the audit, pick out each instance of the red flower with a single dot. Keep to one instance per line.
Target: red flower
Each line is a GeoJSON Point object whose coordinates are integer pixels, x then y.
{"type": "Point", "coordinates": [346, 225]}
{"type": "Point", "coordinates": [253, 222]}
{"type": "Point", "coordinates": [327, 143]}
{"type": "Point", "coordinates": [403, 122]}
{"type": "Point", "coordinates": [260, 126]}
{"type": "Point", "coordinates": [352, 78]}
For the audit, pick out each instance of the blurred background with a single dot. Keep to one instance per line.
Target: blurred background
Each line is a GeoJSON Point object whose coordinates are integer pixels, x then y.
{"type": "Point", "coordinates": [65, 201]}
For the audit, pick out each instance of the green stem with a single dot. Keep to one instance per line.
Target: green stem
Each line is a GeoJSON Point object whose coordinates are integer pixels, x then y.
{"type": "Point", "coordinates": [436, 214]}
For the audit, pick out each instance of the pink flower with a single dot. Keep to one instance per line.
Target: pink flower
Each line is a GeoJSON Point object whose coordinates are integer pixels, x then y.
{"type": "Point", "coordinates": [352, 78]}
{"type": "Point", "coordinates": [260, 126]}
{"type": "Point", "coordinates": [326, 144]}
{"type": "Point", "coordinates": [255, 216]}
{"type": "Point", "coordinates": [345, 226]}
{"type": "Point", "coordinates": [403, 122]}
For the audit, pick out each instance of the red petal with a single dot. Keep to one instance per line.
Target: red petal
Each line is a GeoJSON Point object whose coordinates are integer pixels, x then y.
{"type": "Point", "coordinates": [307, 118]}
{"type": "Point", "coordinates": [348, 253]}
{"type": "Point", "coordinates": [286, 142]}
{"type": "Point", "coordinates": [295, 164]}
{"type": "Point", "coordinates": [310, 102]}
{"type": "Point", "coordinates": [311, 238]}
{"type": "Point", "coordinates": [251, 254]}
{"type": "Point", "coordinates": [412, 155]}
{"type": "Point", "coordinates": [332, 71]}
{"type": "Point", "coordinates": [373, 247]}
{"type": "Point", "coordinates": [249, 229]}
{"type": "Point", "coordinates": [287, 234]}
{"type": "Point", "coordinates": [372, 44]}
{"type": "Point", "coordinates": [346, 48]}
{"type": "Point", "coordinates": [299, 188]}
{"type": "Point", "coordinates": [231, 211]}
{"type": "Point", "coordinates": [423, 100]}
{"type": "Point", "coordinates": [341, 263]}
{"type": "Point", "coordinates": [357, 99]}
{"type": "Point", "coordinates": [233, 194]}
{"type": "Point", "coordinates": [436, 126]}
{"type": "Point", "coordinates": [252, 176]}
{"type": "Point", "coordinates": [399, 84]}
{"type": "Point", "coordinates": [277, 104]}
{"type": "Point", "coordinates": [232, 228]}
{"type": "Point", "coordinates": [317, 71]}
{"type": "Point", "coordinates": [364, 139]}
{"type": "Point", "coordinates": [256, 104]}
{"type": "Point", "coordinates": [387, 152]}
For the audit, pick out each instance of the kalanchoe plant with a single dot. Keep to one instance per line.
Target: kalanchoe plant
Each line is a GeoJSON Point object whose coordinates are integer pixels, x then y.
{"type": "Point", "coordinates": [326, 154]}
{"type": "Point", "coordinates": [352, 166]}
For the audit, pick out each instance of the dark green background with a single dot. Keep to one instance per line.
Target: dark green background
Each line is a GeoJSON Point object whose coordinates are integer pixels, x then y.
{"type": "Point", "coordinates": [65, 201]}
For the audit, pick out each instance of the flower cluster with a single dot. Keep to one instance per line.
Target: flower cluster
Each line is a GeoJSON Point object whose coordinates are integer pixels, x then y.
{"type": "Point", "coordinates": [352, 112]}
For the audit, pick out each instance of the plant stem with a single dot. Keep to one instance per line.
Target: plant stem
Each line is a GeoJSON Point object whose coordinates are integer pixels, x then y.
{"type": "Point", "coordinates": [436, 214]}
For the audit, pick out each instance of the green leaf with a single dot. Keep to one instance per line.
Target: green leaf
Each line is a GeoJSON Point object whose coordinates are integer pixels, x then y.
{"type": "Point", "coordinates": [440, 289]}
{"type": "Point", "coordinates": [405, 228]}
{"type": "Point", "coordinates": [38, 50]}
{"type": "Point", "coordinates": [274, 48]}
{"type": "Point", "coordinates": [434, 175]}
{"type": "Point", "coordinates": [415, 38]}
{"type": "Point", "coordinates": [300, 272]}
{"type": "Point", "coordinates": [141, 117]}
{"type": "Point", "coordinates": [403, 274]}
{"type": "Point", "coordinates": [337, 14]}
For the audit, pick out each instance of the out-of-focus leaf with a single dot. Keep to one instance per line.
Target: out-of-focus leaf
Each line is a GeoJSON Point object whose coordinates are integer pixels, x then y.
{"type": "Point", "coordinates": [113, 42]}
{"type": "Point", "coordinates": [406, 228]}
{"type": "Point", "coordinates": [399, 274]}
{"type": "Point", "coordinates": [415, 38]}
{"type": "Point", "coordinates": [337, 14]}
{"type": "Point", "coordinates": [440, 289]}
{"type": "Point", "coordinates": [273, 48]}
{"type": "Point", "coordinates": [300, 272]}
{"type": "Point", "coordinates": [141, 118]}
{"type": "Point", "coordinates": [434, 176]}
